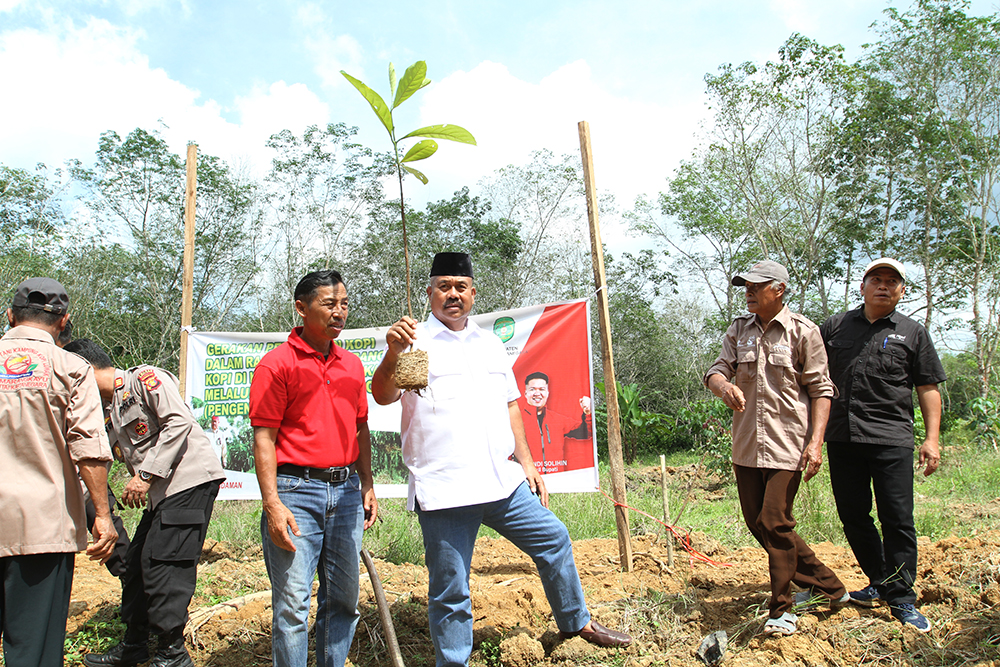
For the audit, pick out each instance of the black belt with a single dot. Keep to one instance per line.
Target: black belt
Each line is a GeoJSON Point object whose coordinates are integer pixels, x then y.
{"type": "Point", "coordinates": [332, 475]}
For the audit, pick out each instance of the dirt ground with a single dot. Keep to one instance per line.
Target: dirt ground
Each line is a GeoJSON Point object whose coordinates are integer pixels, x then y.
{"type": "Point", "coordinates": [667, 610]}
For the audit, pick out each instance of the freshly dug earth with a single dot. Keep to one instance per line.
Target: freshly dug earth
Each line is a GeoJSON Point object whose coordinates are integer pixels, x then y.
{"type": "Point", "coordinates": [667, 610]}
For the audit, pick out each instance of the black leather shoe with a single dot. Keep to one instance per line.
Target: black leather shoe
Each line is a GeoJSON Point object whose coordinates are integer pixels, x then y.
{"type": "Point", "coordinates": [171, 653]}
{"type": "Point", "coordinates": [120, 655]}
{"type": "Point", "coordinates": [600, 635]}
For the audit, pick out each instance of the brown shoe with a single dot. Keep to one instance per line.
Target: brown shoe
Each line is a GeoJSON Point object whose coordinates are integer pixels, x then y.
{"type": "Point", "coordinates": [600, 635]}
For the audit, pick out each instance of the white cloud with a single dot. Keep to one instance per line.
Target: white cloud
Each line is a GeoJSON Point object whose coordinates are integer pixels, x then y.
{"type": "Point", "coordinates": [635, 145]}
{"type": "Point", "coordinates": [270, 109]}
{"type": "Point", "coordinates": [136, 7]}
{"type": "Point", "coordinates": [70, 84]}
{"type": "Point", "coordinates": [798, 15]}
{"type": "Point", "coordinates": [329, 52]}
{"type": "Point", "coordinates": [67, 85]}
{"type": "Point", "coordinates": [10, 5]}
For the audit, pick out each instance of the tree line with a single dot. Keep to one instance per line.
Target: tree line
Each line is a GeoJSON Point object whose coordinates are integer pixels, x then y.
{"type": "Point", "coordinates": [808, 159]}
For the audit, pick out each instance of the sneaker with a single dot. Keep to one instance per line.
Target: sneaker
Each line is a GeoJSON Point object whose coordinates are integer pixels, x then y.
{"type": "Point", "coordinates": [810, 600]}
{"type": "Point", "coordinates": [783, 626]}
{"type": "Point", "coordinates": [908, 615]}
{"type": "Point", "coordinates": [866, 597]}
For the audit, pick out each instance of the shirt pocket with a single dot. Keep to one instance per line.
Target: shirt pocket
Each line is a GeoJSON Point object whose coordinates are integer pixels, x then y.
{"type": "Point", "coordinates": [446, 377]}
{"type": "Point", "coordinates": [889, 363]}
{"type": "Point", "coordinates": [746, 366]}
{"type": "Point", "coordinates": [781, 369]}
{"type": "Point", "coordinates": [838, 352]}
{"type": "Point", "coordinates": [139, 426]}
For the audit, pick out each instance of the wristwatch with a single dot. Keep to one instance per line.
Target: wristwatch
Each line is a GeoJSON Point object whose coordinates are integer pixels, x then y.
{"type": "Point", "coordinates": [145, 476]}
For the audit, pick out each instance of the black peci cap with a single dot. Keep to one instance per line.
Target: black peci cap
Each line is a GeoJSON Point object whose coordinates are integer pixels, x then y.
{"type": "Point", "coordinates": [451, 264]}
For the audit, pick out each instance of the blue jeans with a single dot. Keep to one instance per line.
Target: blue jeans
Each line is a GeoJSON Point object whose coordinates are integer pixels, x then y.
{"type": "Point", "coordinates": [330, 518]}
{"type": "Point", "coordinates": [449, 537]}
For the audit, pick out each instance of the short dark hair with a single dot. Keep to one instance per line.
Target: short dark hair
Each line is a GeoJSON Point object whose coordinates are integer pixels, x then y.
{"type": "Point", "coordinates": [90, 351]}
{"type": "Point", "coordinates": [537, 375]}
{"type": "Point", "coordinates": [30, 314]}
{"type": "Point", "coordinates": [306, 289]}
{"type": "Point", "coordinates": [66, 335]}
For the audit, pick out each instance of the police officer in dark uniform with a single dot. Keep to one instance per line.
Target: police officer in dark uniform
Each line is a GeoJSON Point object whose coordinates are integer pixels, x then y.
{"type": "Point", "coordinates": [176, 476]}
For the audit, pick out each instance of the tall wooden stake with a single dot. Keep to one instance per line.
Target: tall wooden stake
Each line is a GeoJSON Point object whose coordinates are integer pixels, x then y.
{"type": "Point", "coordinates": [668, 535]}
{"type": "Point", "coordinates": [187, 292]}
{"type": "Point", "coordinates": [610, 387]}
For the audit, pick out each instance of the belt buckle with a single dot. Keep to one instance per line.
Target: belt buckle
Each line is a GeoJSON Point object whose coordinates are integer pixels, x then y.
{"type": "Point", "coordinates": [339, 474]}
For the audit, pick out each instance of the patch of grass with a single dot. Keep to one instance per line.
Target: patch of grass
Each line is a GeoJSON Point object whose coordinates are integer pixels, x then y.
{"type": "Point", "coordinates": [816, 511]}
{"type": "Point", "coordinates": [490, 651]}
{"type": "Point", "coordinates": [396, 536]}
{"type": "Point", "coordinates": [236, 522]}
{"type": "Point", "coordinates": [212, 590]}
{"type": "Point", "coordinates": [100, 633]}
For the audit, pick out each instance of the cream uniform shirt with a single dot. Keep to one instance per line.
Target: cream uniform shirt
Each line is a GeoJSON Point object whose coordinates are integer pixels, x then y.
{"type": "Point", "coordinates": [457, 439]}
{"type": "Point", "coordinates": [51, 418]}
{"type": "Point", "coordinates": [151, 429]}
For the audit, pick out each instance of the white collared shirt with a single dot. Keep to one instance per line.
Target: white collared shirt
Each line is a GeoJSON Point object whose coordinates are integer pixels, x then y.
{"type": "Point", "coordinates": [457, 438]}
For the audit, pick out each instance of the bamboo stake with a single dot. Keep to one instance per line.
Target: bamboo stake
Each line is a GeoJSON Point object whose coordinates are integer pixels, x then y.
{"type": "Point", "coordinates": [666, 510]}
{"type": "Point", "coordinates": [187, 293]}
{"type": "Point", "coordinates": [610, 387]}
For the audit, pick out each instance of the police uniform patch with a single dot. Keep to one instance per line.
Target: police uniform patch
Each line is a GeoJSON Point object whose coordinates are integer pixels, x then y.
{"type": "Point", "coordinates": [142, 428]}
{"type": "Point", "coordinates": [128, 400]}
{"type": "Point", "coordinates": [148, 378]}
{"type": "Point", "coordinates": [119, 382]}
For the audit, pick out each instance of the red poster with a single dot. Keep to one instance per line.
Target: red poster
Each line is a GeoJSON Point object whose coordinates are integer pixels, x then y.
{"type": "Point", "coordinates": [553, 373]}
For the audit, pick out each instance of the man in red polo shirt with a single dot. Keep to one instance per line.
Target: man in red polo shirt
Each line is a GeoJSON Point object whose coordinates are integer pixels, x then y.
{"type": "Point", "coordinates": [312, 453]}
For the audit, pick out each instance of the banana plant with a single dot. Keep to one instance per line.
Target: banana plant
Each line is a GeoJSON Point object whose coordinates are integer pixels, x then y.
{"type": "Point", "coordinates": [413, 80]}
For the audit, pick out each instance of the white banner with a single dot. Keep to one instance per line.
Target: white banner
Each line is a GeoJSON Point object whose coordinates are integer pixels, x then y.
{"type": "Point", "coordinates": [550, 347]}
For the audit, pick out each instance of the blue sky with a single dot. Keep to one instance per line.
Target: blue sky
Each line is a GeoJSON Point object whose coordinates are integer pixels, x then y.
{"type": "Point", "coordinates": [518, 74]}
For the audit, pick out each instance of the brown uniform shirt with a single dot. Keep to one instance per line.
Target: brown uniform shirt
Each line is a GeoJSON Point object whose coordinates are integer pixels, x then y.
{"type": "Point", "coordinates": [779, 369]}
{"type": "Point", "coordinates": [50, 418]}
{"type": "Point", "coordinates": [152, 430]}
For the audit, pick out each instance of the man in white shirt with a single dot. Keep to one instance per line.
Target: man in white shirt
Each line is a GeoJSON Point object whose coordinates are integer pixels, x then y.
{"type": "Point", "coordinates": [218, 440]}
{"type": "Point", "coordinates": [458, 435]}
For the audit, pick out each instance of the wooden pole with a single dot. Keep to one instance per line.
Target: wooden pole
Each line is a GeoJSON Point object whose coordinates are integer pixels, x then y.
{"type": "Point", "coordinates": [666, 510]}
{"type": "Point", "coordinates": [610, 387]}
{"type": "Point", "coordinates": [187, 292]}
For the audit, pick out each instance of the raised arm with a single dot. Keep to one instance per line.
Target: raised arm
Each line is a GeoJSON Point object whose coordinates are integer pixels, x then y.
{"type": "Point", "coordinates": [399, 337]}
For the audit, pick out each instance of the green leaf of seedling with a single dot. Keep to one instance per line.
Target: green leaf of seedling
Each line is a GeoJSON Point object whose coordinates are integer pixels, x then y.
{"type": "Point", "coordinates": [423, 179]}
{"type": "Point", "coordinates": [392, 80]}
{"type": "Point", "coordinates": [421, 151]}
{"type": "Point", "coordinates": [450, 132]}
{"type": "Point", "coordinates": [412, 81]}
{"type": "Point", "coordinates": [374, 99]}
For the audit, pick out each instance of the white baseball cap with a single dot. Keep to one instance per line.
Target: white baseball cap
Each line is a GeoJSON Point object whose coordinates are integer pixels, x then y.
{"type": "Point", "coordinates": [886, 262]}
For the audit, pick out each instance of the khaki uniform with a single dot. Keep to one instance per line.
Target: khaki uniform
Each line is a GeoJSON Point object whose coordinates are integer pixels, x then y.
{"type": "Point", "coordinates": [781, 369]}
{"type": "Point", "coordinates": [50, 416]}
{"type": "Point", "coordinates": [50, 410]}
{"type": "Point", "coordinates": [152, 430]}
